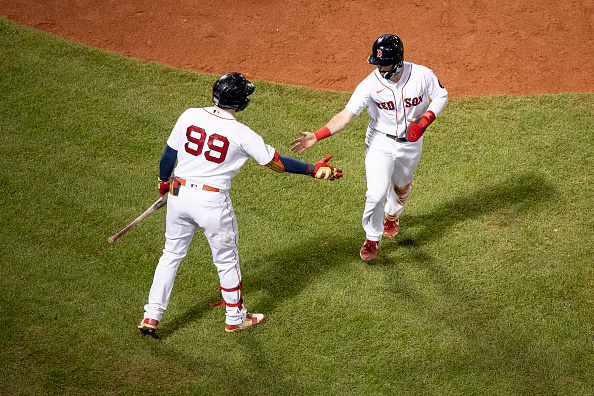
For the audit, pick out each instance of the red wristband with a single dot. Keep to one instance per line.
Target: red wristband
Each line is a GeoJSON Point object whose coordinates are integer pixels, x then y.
{"type": "Point", "coordinates": [430, 116]}
{"type": "Point", "coordinates": [322, 133]}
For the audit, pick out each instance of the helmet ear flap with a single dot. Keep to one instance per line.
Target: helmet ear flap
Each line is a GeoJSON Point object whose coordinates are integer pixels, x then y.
{"type": "Point", "coordinates": [244, 103]}
{"type": "Point", "coordinates": [249, 87]}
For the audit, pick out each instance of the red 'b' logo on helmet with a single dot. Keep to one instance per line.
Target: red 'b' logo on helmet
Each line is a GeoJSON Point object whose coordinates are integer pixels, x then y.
{"type": "Point", "coordinates": [379, 53]}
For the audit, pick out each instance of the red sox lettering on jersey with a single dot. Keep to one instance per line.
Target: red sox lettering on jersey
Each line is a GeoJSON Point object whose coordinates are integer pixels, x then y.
{"type": "Point", "coordinates": [408, 102]}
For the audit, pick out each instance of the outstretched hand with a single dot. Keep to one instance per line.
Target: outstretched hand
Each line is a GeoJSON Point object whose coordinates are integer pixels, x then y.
{"type": "Point", "coordinates": [301, 144]}
{"type": "Point", "coordinates": [324, 171]}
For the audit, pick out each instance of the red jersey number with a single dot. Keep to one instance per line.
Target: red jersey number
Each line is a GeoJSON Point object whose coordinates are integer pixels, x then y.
{"type": "Point", "coordinates": [217, 144]}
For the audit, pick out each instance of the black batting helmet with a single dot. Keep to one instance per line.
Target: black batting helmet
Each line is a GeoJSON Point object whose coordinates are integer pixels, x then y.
{"type": "Point", "coordinates": [387, 50]}
{"type": "Point", "coordinates": [231, 91]}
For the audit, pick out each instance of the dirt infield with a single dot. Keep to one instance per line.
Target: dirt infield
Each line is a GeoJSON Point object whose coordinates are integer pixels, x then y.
{"type": "Point", "coordinates": [476, 47]}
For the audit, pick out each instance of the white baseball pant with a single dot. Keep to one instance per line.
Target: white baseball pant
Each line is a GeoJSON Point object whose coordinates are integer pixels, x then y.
{"type": "Point", "coordinates": [384, 170]}
{"type": "Point", "coordinates": [191, 210]}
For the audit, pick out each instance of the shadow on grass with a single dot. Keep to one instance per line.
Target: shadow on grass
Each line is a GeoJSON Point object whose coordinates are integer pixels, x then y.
{"type": "Point", "coordinates": [515, 195]}
{"type": "Point", "coordinates": [189, 316]}
{"type": "Point", "coordinates": [286, 273]}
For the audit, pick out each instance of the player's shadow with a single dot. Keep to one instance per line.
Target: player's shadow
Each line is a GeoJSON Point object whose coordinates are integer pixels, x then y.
{"type": "Point", "coordinates": [197, 311]}
{"type": "Point", "coordinates": [285, 272]}
{"type": "Point", "coordinates": [509, 198]}
{"type": "Point", "coordinates": [288, 271]}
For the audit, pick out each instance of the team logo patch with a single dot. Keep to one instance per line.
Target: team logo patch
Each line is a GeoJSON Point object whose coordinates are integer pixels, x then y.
{"type": "Point", "coordinates": [379, 53]}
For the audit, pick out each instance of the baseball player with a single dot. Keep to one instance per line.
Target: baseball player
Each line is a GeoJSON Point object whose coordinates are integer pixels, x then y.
{"type": "Point", "coordinates": [210, 147]}
{"type": "Point", "coordinates": [402, 100]}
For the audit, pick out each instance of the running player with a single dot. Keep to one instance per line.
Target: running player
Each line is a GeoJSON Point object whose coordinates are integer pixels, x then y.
{"type": "Point", "coordinates": [402, 99]}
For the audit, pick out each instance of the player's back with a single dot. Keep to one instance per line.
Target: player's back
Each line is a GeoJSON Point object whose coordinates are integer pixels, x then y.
{"type": "Point", "coordinates": [212, 146]}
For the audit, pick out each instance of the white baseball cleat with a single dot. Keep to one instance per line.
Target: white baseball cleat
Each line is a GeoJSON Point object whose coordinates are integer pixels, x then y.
{"type": "Point", "coordinates": [251, 319]}
{"type": "Point", "coordinates": [148, 325]}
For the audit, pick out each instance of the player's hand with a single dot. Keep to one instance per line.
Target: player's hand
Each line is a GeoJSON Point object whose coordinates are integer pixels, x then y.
{"type": "Point", "coordinates": [163, 187]}
{"type": "Point", "coordinates": [418, 125]}
{"type": "Point", "coordinates": [301, 144]}
{"type": "Point", "coordinates": [324, 171]}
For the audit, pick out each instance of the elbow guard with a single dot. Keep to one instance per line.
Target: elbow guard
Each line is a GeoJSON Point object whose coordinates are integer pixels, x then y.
{"type": "Point", "coordinates": [276, 164]}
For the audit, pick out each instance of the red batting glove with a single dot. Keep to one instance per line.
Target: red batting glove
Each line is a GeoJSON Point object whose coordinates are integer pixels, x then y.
{"type": "Point", "coordinates": [324, 171]}
{"type": "Point", "coordinates": [164, 187]}
{"type": "Point", "coordinates": [417, 127]}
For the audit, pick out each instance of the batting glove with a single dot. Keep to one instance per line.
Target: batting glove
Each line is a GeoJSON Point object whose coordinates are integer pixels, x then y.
{"type": "Point", "coordinates": [417, 127]}
{"type": "Point", "coordinates": [163, 187]}
{"type": "Point", "coordinates": [324, 171]}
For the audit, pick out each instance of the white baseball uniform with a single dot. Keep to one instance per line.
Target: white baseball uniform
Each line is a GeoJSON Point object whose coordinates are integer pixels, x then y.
{"type": "Point", "coordinates": [211, 148]}
{"type": "Point", "coordinates": [390, 160]}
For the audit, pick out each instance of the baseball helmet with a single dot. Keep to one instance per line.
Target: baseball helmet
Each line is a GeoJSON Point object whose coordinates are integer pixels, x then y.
{"type": "Point", "coordinates": [231, 91]}
{"type": "Point", "coordinates": [387, 50]}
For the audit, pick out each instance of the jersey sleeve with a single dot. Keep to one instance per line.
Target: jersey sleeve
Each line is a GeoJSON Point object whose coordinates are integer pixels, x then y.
{"type": "Point", "coordinates": [254, 146]}
{"type": "Point", "coordinates": [435, 89]}
{"type": "Point", "coordinates": [437, 93]}
{"type": "Point", "coordinates": [178, 134]}
{"type": "Point", "coordinates": [359, 98]}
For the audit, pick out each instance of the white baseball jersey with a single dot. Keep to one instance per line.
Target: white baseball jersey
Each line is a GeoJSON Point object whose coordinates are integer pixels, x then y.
{"type": "Point", "coordinates": [212, 146]}
{"type": "Point", "coordinates": [390, 104]}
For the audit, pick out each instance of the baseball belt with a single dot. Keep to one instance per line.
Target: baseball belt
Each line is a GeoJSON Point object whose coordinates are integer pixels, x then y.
{"type": "Point", "coordinates": [399, 140]}
{"type": "Point", "coordinates": [177, 181]}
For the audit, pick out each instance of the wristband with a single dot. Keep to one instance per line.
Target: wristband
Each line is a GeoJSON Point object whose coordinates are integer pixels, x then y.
{"type": "Point", "coordinates": [322, 133]}
{"type": "Point", "coordinates": [430, 116]}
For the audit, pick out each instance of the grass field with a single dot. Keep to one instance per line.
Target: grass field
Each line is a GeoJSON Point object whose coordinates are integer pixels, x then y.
{"type": "Point", "coordinates": [487, 290]}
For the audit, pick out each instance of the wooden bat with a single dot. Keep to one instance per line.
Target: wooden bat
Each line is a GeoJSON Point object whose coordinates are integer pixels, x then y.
{"type": "Point", "coordinates": [154, 207]}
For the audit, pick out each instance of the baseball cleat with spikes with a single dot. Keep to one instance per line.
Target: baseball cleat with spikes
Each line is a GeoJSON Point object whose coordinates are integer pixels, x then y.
{"type": "Point", "coordinates": [148, 325]}
{"type": "Point", "coordinates": [369, 250]}
{"type": "Point", "coordinates": [251, 319]}
{"type": "Point", "coordinates": [391, 227]}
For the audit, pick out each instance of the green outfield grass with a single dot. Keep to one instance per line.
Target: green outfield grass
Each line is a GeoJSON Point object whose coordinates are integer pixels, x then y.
{"type": "Point", "coordinates": [487, 290]}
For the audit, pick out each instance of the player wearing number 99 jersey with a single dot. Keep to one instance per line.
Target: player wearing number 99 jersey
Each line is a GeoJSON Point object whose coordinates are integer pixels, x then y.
{"type": "Point", "coordinates": [210, 147]}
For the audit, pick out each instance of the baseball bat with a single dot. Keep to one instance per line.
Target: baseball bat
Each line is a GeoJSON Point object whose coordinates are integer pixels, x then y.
{"type": "Point", "coordinates": [154, 207]}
